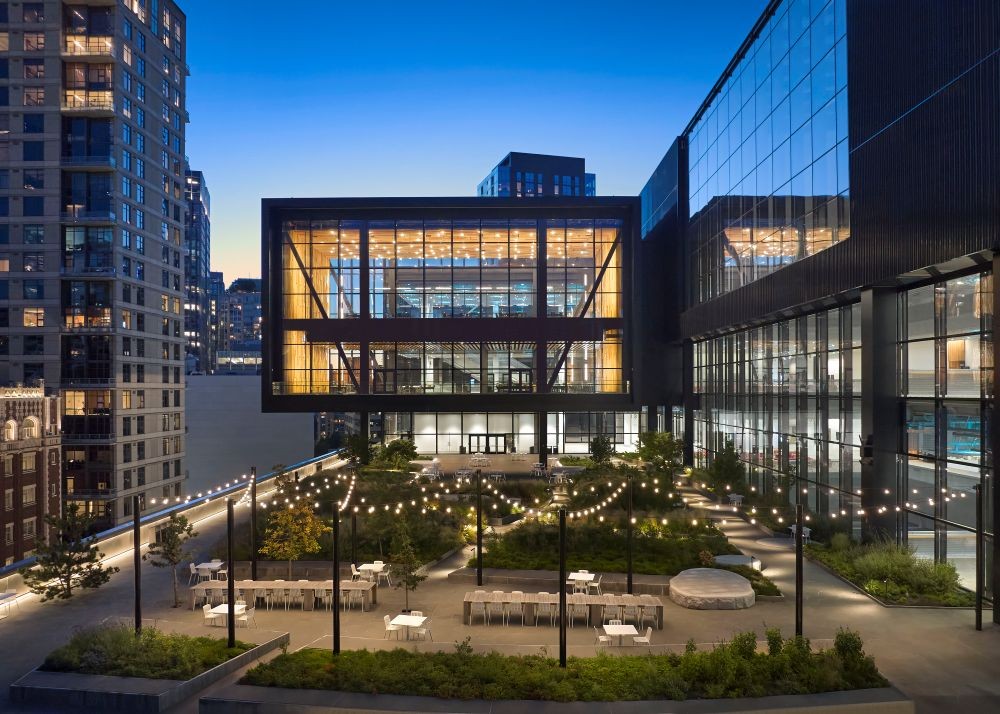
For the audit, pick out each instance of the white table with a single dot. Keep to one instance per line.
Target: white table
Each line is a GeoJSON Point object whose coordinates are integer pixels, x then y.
{"type": "Point", "coordinates": [580, 580]}
{"type": "Point", "coordinates": [371, 569]}
{"type": "Point", "coordinates": [806, 532]}
{"type": "Point", "coordinates": [224, 610]}
{"type": "Point", "coordinates": [735, 499]}
{"type": "Point", "coordinates": [620, 631]}
{"type": "Point", "coordinates": [409, 621]}
{"type": "Point", "coordinates": [211, 567]}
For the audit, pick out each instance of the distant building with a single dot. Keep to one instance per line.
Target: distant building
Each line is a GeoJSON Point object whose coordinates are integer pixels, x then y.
{"type": "Point", "coordinates": [216, 333]}
{"type": "Point", "coordinates": [521, 175]}
{"type": "Point", "coordinates": [240, 318]}
{"type": "Point", "coordinates": [30, 466]}
{"type": "Point", "coordinates": [197, 240]}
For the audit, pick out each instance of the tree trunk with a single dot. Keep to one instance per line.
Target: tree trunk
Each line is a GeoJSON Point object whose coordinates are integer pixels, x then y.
{"type": "Point", "coordinates": [289, 570]}
{"type": "Point", "coordinates": [177, 602]}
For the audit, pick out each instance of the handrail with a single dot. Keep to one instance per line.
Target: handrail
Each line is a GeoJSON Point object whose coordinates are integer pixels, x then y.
{"type": "Point", "coordinates": [179, 508]}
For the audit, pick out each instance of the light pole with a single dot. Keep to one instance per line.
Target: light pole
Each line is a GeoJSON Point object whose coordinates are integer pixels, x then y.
{"type": "Point", "coordinates": [979, 556]}
{"type": "Point", "coordinates": [230, 575]}
{"type": "Point", "coordinates": [798, 569]}
{"type": "Point", "coordinates": [135, 564]}
{"type": "Point", "coordinates": [354, 535]}
{"type": "Point", "coordinates": [628, 536]}
{"type": "Point", "coordinates": [253, 522]}
{"type": "Point", "coordinates": [479, 527]}
{"type": "Point", "coordinates": [336, 578]}
{"type": "Point", "coordinates": [562, 587]}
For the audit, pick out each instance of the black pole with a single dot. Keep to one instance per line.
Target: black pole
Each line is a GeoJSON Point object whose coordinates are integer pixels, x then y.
{"type": "Point", "coordinates": [479, 527]}
{"type": "Point", "coordinates": [230, 576]}
{"type": "Point", "coordinates": [798, 569]}
{"type": "Point", "coordinates": [136, 558]}
{"type": "Point", "coordinates": [336, 578]}
{"type": "Point", "coordinates": [628, 536]}
{"type": "Point", "coordinates": [979, 556]}
{"type": "Point", "coordinates": [562, 587]}
{"type": "Point", "coordinates": [354, 536]}
{"type": "Point", "coordinates": [253, 522]}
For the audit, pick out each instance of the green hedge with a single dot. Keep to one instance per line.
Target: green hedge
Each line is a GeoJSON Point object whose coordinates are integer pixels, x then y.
{"type": "Point", "coordinates": [600, 547]}
{"type": "Point", "coordinates": [115, 650]}
{"type": "Point", "coordinates": [734, 669]}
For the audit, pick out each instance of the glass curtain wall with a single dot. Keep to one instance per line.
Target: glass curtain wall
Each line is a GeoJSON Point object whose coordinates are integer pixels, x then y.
{"type": "Point", "coordinates": [768, 170]}
{"type": "Point", "coordinates": [788, 397]}
{"type": "Point", "coordinates": [946, 382]}
{"type": "Point", "coordinates": [321, 270]}
{"type": "Point", "coordinates": [583, 268]}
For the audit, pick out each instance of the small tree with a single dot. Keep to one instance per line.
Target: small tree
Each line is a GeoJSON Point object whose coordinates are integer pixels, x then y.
{"type": "Point", "coordinates": [291, 533]}
{"type": "Point", "coordinates": [359, 449]}
{"type": "Point", "coordinates": [727, 469]}
{"type": "Point", "coordinates": [397, 454]}
{"type": "Point", "coordinates": [405, 562]}
{"type": "Point", "coordinates": [70, 561]}
{"type": "Point", "coordinates": [661, 451]}
{"type": "Point", "coordinates": [601, 450]}
{"type": "Point", "coordinates": [170, 550]}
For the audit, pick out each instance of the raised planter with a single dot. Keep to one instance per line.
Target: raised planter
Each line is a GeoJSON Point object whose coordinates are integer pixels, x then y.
{"type": "Point", "coordinates": [505, 520]}
{"type": "Point", "coordinates": [245, 699]}
{"type": "Point", "coordinates": [548, 580]}
{"type": "Point", "coordinates": [99, 693]}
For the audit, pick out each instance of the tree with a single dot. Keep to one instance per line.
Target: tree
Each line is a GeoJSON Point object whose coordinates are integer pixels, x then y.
{"type": "Point", "coordinates": [405, 562]}
{"type": "Point", "coordinates": [601, 450]}
{"type": "Point", "coordinates": [292, 532]}
{"type": "Point", "coordinates": [70, 561]}
{"type": "Point", "coordinates": [661, 451]}
{"type": "Point", "coordinates": [727, 469]}
{"type": "Point", "coordinates": [169, 550]}
{"type": "Point", "coordinates": [331, 442]}
{"type": "Point", "coordinates": [359, 449]}
{"type": "Point", "coordinates": [397, 454]}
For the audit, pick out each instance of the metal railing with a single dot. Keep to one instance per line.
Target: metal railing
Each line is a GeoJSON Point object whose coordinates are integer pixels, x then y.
{"type": "Point", "coordinates": [79, 214]}
{"type": "Point", "coordinates": [84, 101]}
{"type": "Point", "coordinates": [77, 45]}
{"type": "Point", "coordinates": [99, 161]}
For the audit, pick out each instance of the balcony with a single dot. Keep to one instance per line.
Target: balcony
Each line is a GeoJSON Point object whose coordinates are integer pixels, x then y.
{"type": "Point", "coordinates": [94, 271]}
{"type": "Point", "coordinates": [105, 161]}
{"type": "Point", "coordinates": [88, 46]}
{"type": "Point", "coordinates": [79, 214]}
{"type": "Point", "coordinates": [83, 101]}
{"type": "Point", "coordinates": [108, 381]}
{"type": "Point", "coordinates": [105, 438]}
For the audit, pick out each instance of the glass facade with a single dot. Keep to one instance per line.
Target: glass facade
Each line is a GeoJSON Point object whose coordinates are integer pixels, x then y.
{"type": "Point", "coordinates": [768, 158]}
{"type": "Point", "coordinates": [946, 384]}
{"type": "Point", "coordinates": [510, 432]}
{"type": "Point", "coordinates": [788, 396]}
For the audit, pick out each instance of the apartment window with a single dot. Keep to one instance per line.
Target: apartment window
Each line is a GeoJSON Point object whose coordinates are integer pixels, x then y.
{"type": "Point", "coordinates": [126, 160]}
{"type": "Point", "coordinates": [34, 179]}
{"type": "Point", "coordinates": [140, 117]}
{"type": "Point", "coordinates": [126, 240]}
{"type": "Point", "coordinates": [34, 12]}
{"type": "Point", "coordinates": [140, 348]}
{"type": "Point", "coordinates": [33, 151]}
{"type": "Point", "coordinates": [8, 498]}
{"type": "Point", "coordinates": [34, 96]}
{"type": "Point", "coordinates": [33, 234]}
{"type": "Point", "coordinates": [34, 123]}
{"type": "Point", "coordinates": [34, 345]}
{"type": "Point", "coordinates": [8, 533]}
{"type": "Point", "coordinates": [33, 206]}
{"type": "Point", "coordinates": [140, 271]}
{"type": "Point", "coordinates": [166, 392]}
{"type": "Point", "coordinates": [34, 69]}
{"type": "Point", "coordinates": [127, 346]}
{"type": "Point", "coordinates": [34, 317]}
{"type": "Point", "coordinates": [4, 290]}
{"type": "Point", "coordinates": [140, 373]}
{"type": "Point", "coordinates": [33, 290]}
{"type": "Point", "coordinates": [4, 96]}
{"type": "Point", "coordinates": [126, 426]}
{"type": "Point", "coordinates": [126, 373]}
{"type": "Point", "coordinates": [127, 453]}
{"type": "Point", "coordinates": [4, 38]}
{"type": "Point", "coordinates": [34, 41]}
{"type": "Point", "coordinates": [177, 392]}
{"type": "Point", "coordinates": [126, 399]}
{"type": "Point", "coordinates": [140, 454]}
{"type": "Point", "coordinates": [28, 460]}
{"type": "Point", "coordinates": [28, 494]}
{"type": "Point", "coordinates": [28, 525]}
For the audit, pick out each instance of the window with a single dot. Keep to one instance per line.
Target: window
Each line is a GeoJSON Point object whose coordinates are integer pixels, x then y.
{"type": "Point", "coordinates": [8, 533]}
{"type": "Point", "coordinates": [34, 123]}
{"type": "Point", "coordinates": [34, 179]}
{"type": "Point", "coordinates": [34, 317]}
{"type": "Point", "coordinates": [29, 524]}
{"type": "Point", "coordinates": [28, 495]}
{"type": "Point", "coordinates": [33, 290]}
{"type": "Point", "coordinates": [33, 234]}
{"type": "Point", "coordinates": [34, 69]}
{"type": "Point", "coordinates": [33, 151]}
{"type": "Point", "coordinates": [8, 498]}
{"type": "Point", "coordinates": [33, 206]}
{"type": "Point", "coordinates": [28, 461]}
{"type": "Point", "coordinates": [34, 41]}
{"type": "Point", "coordinates": [34, 345]}
{"type": "Point", "coordinates": [34, 96]}
{"type": "Point", "coordinates": [34, 12]}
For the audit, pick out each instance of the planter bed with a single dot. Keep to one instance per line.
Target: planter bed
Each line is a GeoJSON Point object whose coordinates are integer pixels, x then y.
{"type": "Point", "coordinates": [548, 580]}
{"type": "Point", "coordinates": [95, 692]}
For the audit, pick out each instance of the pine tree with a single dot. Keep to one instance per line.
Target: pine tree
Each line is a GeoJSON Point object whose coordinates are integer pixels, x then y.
{"type": "Point", "coordinates": [70, 561]}
{"type": "Point", "coordinates": [169, 550]}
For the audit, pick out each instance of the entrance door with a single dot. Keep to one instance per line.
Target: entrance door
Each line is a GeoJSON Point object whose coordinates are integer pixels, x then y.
{"type": "Point", "coordinates": [487, 443]}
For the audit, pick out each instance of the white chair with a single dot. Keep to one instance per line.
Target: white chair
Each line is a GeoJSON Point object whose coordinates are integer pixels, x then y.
{"type": "Point", "coordinates": [194, 576]}
{"type": "Point", "coordinates": [417, 613]}
{"type": "Point", "coordinates": [355, 573]}
{"type": "Point", "coordinates": [204, 573]}
{"type": "Point", "coordinates": [215, 560]}
{"type": "Point", "coordinates": [378, 562]}
{"type": "Point", "coordinates": [478, 608]}
{"type": "Point", "coordinates": [600, 639]}
{"type": "Point", "coordinates": [545, 608]}
{"type": "Point", "coordinates": [391, 628]}
{"type": "Point", "coordinates": [292, 595]}
{"type": "Point", "coordinates": [247, 617]}
{"type": "Point", "coordinates": [222, 574]}
{"type": "Point", "coordinates": [516, 608]}
{"type": "Point", "coordinates": [614, 622]}
{"type": "Point", "coordinates": [648, 612]}
{"type": "Point", "coordinates": [647, 640]}
{"type": "Point", "coordinates": [613, 614]}
{"type": "Point", "coordinates": [631, 614]}
{"type": "Point", "coordinates": [424, 631]}
{"type": "Point", "coordinates": [595, 585]}
{"type": "Point", "coordinates": [579, 608]}
{"type": "Point", "coordinates": [385, 574]}
{"type": "Point", "coordinates": [356, 597]}
{"type": "Point", "coordinates": [497, 608]}
{"type": "Point", "coordinates": [210, 617]}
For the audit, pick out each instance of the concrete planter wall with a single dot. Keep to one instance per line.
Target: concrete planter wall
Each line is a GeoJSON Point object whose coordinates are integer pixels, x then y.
{"type": "Point", "coordinates": [87, 692]}
{"type": "Point", "coordinates": [505, 520]}
{"type": "Point", "coordinates": [244, 699]}
{"type": "Point", "coordinates": [548, 580]}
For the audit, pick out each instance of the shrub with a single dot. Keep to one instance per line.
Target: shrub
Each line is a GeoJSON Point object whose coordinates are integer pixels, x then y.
{"type": "Point", "coordinates": [601, 449]}
{"type": "Point", "coordinates": [115, 650]}
{"type": "Point", "coordinates": [840, 542]}
{"type": "Point", "coordinates": [732, 669]}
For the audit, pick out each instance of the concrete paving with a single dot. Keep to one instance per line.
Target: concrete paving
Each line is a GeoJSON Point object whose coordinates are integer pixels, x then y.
{"type": "Point", "coordinates": [932, 655]}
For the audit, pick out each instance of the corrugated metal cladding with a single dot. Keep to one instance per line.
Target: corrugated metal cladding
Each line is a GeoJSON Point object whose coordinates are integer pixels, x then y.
{"type": "Point", "coordinates": [924, 92]}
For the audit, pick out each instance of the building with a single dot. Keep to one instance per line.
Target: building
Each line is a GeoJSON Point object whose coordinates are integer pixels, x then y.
{"type": "Point", "coordinates": [198, 242]}
{"type": "Point", "coordinates": [472, 324]}
{"type": "Point", "coordinates": [216, 289]}
{"type": "Point", "coordinates": [92, 170]}
{"type": "Point", "coordinates": [520, 175]}
{"type": "Point", "coordinates": [240, 321]}
{"type": "Point", "coordinates": [30, 460]}
{"type": "Point", "coordinates": [836, 202]}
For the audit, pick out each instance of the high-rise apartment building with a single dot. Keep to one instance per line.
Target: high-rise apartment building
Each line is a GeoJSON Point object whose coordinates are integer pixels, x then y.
{"type": "Point", "coordinates": [216, 291]}
{"type": "Point", "coordinates": [240, 319]}
{"type": "Point", "coordinates": [92, 169]}
{"type": "Point", "coordinates": [197, 239]}
{"type": "Point", "coordinates": [520, 175]}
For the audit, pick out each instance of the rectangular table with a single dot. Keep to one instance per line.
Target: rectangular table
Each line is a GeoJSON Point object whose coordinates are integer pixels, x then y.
{"type": "Point", "coordinates": [595, 603]}
{"type": "Point", "coordinates": [309, 589]}
{"type": "Point", "coordinates": [620, 631]}
{"type": "Point", "coordinates": [224, 610]}
{"type": "Point", "coordinates": [213, 567]}
{"type": "Point", "coordinates": [408, 621]}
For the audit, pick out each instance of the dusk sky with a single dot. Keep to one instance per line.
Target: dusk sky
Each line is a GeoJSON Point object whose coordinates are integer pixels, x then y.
{"type": "Point", "coordinates": [422, 99]}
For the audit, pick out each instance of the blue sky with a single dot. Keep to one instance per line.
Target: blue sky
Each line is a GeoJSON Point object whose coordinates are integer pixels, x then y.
{"type": "Point", "coordinates": [423, 98]}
